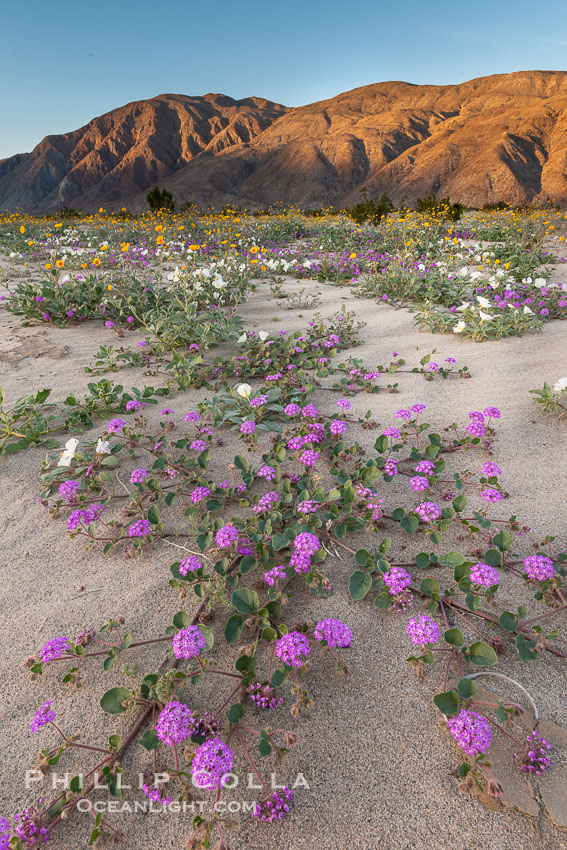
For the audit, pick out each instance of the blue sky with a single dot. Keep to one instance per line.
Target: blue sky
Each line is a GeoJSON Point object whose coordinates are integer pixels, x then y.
{"type": "Point", "coordinates": [64, 62]}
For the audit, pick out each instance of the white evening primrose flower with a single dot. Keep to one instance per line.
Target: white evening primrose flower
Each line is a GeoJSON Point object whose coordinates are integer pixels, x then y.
{"type": "Point", "coordinates": [174, 275]}
{"type": "Point", "coordinates": [484, 317]}
{"type": "Point", "coordinates": [527, 311]}
{"type": "Point", "coordinates": [459, 327]}
{"type": "Point", "coordinates": [484, 302]}
{"type": "Point", "coordinates": [244, 390]}
{"type": "Point", "coordinates": [102, 447]}
{"type": "Point", "coordinates": [539, 282]}
{"type": "Point", "coordinates": [560, 385]}
{"type": "Point", "coordinates": [263, 335]}
{"type": "Point", "coordinates": [242, 338]}
{"type": "Point", "coordinates": [69, 452]}
{"type": "Point", "coordinates": [464, 306]}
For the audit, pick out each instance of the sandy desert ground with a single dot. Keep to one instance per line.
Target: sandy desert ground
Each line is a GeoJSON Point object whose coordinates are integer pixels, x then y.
{"type": "Point", "coordinates": [380, 770]}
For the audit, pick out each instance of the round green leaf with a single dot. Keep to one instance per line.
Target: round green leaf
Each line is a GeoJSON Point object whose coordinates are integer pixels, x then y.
{"type": "Point", "coordinates": [112, 700]}
{"type": "Point", "coordinates": [233, 628]}
{"type": "Point", "coordinates": [482, 655]}
{"type": "Point", "coordinates": [149, 740]}
{"type": "Point", "coordinates": [447, 703]}
{"type": "Point", "coordinates": [235, 712]}
{"type": "Point", "coordinates": [244, 600]}
{"type": "Point", "coordinates": [359, 584]}
{"type": "Point", "coordinates": [455, 637]}
{"type": "Point", "coordinates": [466, 688]}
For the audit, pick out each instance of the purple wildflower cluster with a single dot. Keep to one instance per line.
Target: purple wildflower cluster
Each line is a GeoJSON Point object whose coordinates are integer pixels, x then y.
{"type": "Point", "coordinates": [198, 494]}
{"type": "Point", "coordinates": [471, 731]}
{"type": "Point", "coordinates": [307, 506]}
{"type": "Point", "coordinates": [264, 696]}
{"type": "Point", "coordinates": [226, 536]}
{"type": "Point", "coordinates": [29, 828]}
{"type": "Point", "coordinates": [397, 580]}
{"type": "Point", "coordinates": [484, 575]}
{"type": "Point", "coordinates": [536, 756]}
{"type": "Point", "coordinates": [266, 502]}
{"type": "Point", "coordinates": [174, 724]}
{"type": "Point", "coordinates": [84, 517]}
{"type": "Point", "coordinates": [291, 647]}
{"type": "Point", "coordinates": [42, 717]}
{"type": "Point", "coordinates": [268, 473]}
{"type": "Point", "coordinates": [305, 545]}
{"type": "Point", "coordinates": [275, 807]}
{"type": "Point", "coordinates": [423, 630]}
{"type": "Point", "coordinates": [189, 642]}
{"type": "Point", "coordinates": [271, 576]}
{"type": "Point", "coordinates": [335, 633]}
{"type": "Point", "coordinates": [309, 457]}
{"type": "Point", "coordinates": [140, 528]}
{"type": "Point", "coordinates": [54, 649]}
{"type": "Point", "coordinates": [138, 475]}
{"type": "Point", "coordinates": [115, 426]}
{"type": "Point", "coordinates": [428, 511]}
{"type": "Point", "coordinates": [212, 763]}
{"type": "Point", "coordinates": [539, 567]}
{"type": "Point", "coordinates": [491, 496]}
{"type": "Point", "coordinates": [338, 427]}
{"type": "Point", "coordinates": [155, 795]}
{"type": "Point", "coordinates": [190, 565]}
{"type": "Point", "coordinates": [419, 483]}
{"type": "Point", "coordinates": [68, 490]}
{"type": "Point", "coordinates": [248, 427]}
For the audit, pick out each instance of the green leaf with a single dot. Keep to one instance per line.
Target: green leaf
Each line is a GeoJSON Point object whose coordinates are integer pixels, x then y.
{"type": "Point", "coordinates": [459, 504]}
{"type": "Point", "coordinates": [244, 600]}
{"type": "Point", "coordinates": [383, 600]}
{"type": "Point", "coordinates": [409, 524]}
{"type": "Point", "coordinates": [111, 701]}
{"type": "Point", "coordinates": [247, 565]}
{"type": "Point", "coordinates": [526, 648]}
{"type": "Point", "coordinates": [181, 620]}
{"type": "Point", "coordinates": [153, 515]}
{"type": "Point", "coordinates": [482, 655]}
{"type": "Point", "coordinates": [507, 621]}
{"type": "Point", "coordinates": [264, 748]}
{"type": "Point", "coordinates": [466, 688]}
{"type": "Point", "coordinates": [454, 636]}
{"type": "Point", "coordinates": [503, 541]}
{"type": "Point", "coordinates": [447, 703]}
{"type": "Point", "coordinates": [429, 586]}
{"type": "Point", "coordinates": [493, 557]}
{"type": "Point", "coordinates": [77, 784]}
{"type": "Point", "coordinates": [279, 542]}
{"type": "Point", "coordinates": [359, 584]}
{"type": "Point", "coordinates": [278, 678]}
{"type": "Point", "coordinates": [363, 557]}
{"type": "Point", "coordinates": [453, 559]}
{"type": "Point", "coordinates": [422, 560]}
{"type": "Point", "coordinates": [333, 495]}
{"type": "Point", "coordinates": [149, 740]}
{"type": "Point", "coordinates": [235, 712]}
{"type": "Point", "coordinates": [233, 628]}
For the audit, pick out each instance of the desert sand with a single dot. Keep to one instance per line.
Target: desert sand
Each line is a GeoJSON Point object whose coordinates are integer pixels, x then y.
{"type": "Point", "coordinates": [379, 768]}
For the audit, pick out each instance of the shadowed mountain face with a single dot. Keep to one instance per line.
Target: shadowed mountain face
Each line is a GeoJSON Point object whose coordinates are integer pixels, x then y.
{"type": "Point", "coordinates": [495, 138]}
{"type": "Point", "coordinates": [129, 149]}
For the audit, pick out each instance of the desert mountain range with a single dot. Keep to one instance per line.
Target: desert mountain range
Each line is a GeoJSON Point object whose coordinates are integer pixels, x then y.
{"type": "Point", "coordinates": [501, 137]}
